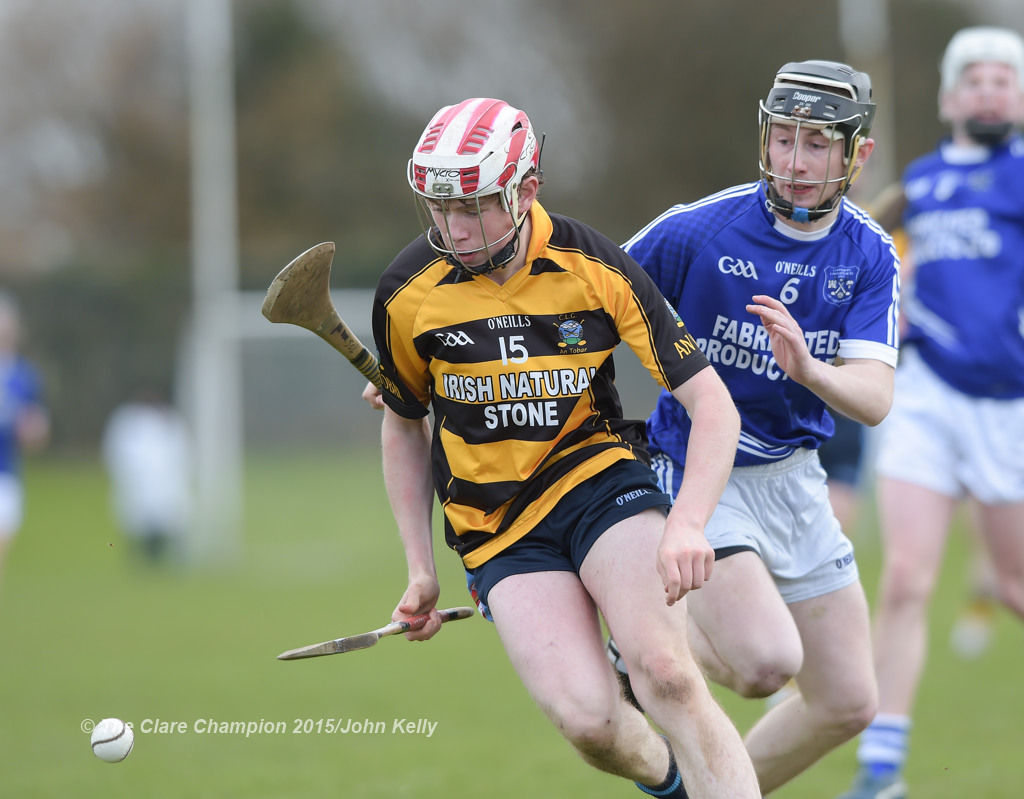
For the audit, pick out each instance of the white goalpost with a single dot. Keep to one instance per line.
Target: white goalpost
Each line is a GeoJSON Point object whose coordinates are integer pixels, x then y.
{"type": "Point", "coordinates": [211, 385]}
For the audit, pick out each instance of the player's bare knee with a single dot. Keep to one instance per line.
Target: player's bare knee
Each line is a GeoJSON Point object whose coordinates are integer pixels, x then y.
{"type": "Point", "coordinates": [862, 716]}
{"type": "Point", "coordinates": [667, 677]}
{"type": "Point", "coordinates": [905, 585]}
{"type": "Point", "coordinates": [592, 734]}
{"type": "Point", "coordinates": [588, 718]}
{"type": "Point", "coordinates": [845, 712]}
{"type": "Point", "coordinates": [762, 670]}
{"type": "Point", "coordinates": [852, 719]}
{"type": "Point", "coordinates": [764, 679]}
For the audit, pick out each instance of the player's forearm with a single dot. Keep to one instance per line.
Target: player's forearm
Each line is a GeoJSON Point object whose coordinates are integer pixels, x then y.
{"type": "Point", "coordinates": [860, 389]}
{"type": "Point", "coordinates": [711, 447]}
{"type": "Point", "coordinates": [406, 460]}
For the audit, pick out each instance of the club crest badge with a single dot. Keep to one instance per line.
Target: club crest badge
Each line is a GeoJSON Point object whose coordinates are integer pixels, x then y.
{"type": "Point", "coordinates": [571, 333]}
{"type": "Point", "coordinates": [840, 282]}
{"type": "Point", "coordinates": [679, 322]}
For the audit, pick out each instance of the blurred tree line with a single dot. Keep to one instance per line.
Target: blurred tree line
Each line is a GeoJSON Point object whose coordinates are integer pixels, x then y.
{"type": "Point", "coordinates": [96, 144]}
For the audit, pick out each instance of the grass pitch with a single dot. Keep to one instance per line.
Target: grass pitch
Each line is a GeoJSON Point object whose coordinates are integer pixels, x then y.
{"type": "Point", "coordinates": [189, 657]}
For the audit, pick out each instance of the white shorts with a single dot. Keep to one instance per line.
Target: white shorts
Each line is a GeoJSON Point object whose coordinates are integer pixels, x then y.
{"type": "Point", "coordinates": [781, 511]}
{"type": "Point", "coordinates": [952, 443]}
{"type": "Point", "coordinates": [12, 505]}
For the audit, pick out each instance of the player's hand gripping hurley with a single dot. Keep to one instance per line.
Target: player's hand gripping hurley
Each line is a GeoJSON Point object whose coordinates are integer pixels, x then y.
{"type": "Point", "coordinates": [301, 295]}
{"type": "Point", "coordinates": [366, 640]}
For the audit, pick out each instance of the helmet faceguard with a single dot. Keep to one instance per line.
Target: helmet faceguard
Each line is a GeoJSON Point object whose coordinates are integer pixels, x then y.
{"type": "Point", "coordinates": [475, 149]}
{"type": "Point", "coordinates": [978, 45]}
{"type": "Point", "coordinates": [826, 96]}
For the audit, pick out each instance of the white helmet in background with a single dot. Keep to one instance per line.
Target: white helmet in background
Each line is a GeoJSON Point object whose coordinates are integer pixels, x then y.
{"type": "Point", "coordinates": [474, 149]}
{"type": "Point", "coordinates": [982, 45]}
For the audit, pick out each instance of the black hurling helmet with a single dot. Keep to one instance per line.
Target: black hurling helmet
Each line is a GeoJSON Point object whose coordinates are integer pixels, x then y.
{"type": "Point", "coordinates": [827, 96]}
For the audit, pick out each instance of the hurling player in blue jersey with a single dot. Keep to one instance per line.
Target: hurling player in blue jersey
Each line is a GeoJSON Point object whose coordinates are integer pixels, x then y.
{"type": "Point", "coordinates": [957, 423]}
{"type": "Point", "coordinates": [24, 422]}
{"type": "Point", "coordinates": [791, 290]}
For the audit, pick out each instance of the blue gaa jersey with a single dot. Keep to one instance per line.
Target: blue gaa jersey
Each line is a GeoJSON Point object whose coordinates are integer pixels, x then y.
{"type": "Point", "coordinates": [965, 223]}
{"type": "Point", "coordinates": [709, 258]}
{"type": "Point", "coordinates": [19, 388]}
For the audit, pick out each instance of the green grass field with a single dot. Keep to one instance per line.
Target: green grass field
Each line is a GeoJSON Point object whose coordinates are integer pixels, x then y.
{"type": "Point", "coordinates": [86, 634]}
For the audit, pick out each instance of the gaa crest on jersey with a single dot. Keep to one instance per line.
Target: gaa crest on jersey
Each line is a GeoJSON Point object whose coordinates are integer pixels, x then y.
{"type": "Point", "coordinates": [571, 333]}
{"type": "Point", "coordinates": [728, 265]}
{"type": "Point", "coordinates": [839, 283]}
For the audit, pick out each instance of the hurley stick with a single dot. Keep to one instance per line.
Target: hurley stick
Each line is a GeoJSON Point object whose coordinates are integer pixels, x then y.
{"type": "Point", "coordinates": [366, 640]}
{"type": "Point", "coordinates": [301, 295]}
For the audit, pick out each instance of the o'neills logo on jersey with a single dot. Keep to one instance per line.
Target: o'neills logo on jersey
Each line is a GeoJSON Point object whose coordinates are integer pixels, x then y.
{"type": "Point", "coordinates": [506, 322]}
{"type": "Point", "coordinates": [791, 268]}
{"type": "Point", "coordinates": [728, 265]}
{"type": "Point", "coordinates": [839, 283]}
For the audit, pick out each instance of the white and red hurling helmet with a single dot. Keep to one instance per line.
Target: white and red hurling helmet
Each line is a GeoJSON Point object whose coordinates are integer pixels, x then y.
{"type": "Point", "coordinates": [480, 146]}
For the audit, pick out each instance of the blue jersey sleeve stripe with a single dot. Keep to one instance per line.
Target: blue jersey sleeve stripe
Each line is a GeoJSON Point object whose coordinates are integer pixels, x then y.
{"type": "Point", "coordinates": [865, 218]}
{"type": "Point", "coordinates": [893, 328]}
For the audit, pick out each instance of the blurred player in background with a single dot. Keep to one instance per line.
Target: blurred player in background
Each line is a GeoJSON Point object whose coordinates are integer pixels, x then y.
{"type": "Point", "coordinates": [501, 319]}
{"type": "Point", "coordinates": [147, 451]}
{"type": "Point", "coordinates": [847, 460]}
{"type": "Point", "coordinates": [957, 421]}
{"type": "Point", "coordinates": [974, 626]}
{"type": "Point", "coordinates": [24, 421]}
{"type": "Point", "coordinates": [792, 292]}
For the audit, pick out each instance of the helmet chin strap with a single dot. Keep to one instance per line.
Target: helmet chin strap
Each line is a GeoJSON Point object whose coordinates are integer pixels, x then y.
{"type": "Point", "coordinates": [796, 213]}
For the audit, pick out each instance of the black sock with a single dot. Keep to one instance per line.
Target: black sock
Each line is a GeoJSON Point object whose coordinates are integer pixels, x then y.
{"type": "Point", "coordinates": [672, 786]}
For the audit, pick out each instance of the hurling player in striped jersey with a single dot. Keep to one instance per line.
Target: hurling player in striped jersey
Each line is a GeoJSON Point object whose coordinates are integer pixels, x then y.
{"type": "Point", "coordinates": [499, 322]}
{"type": "Point", "coordinates": [791, 291]}
{"type": "Point", "coordinates": [957, 422]}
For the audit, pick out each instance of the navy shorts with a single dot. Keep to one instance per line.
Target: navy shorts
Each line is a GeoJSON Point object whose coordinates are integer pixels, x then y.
{"type": "Point", "coordinates": [561, 541]}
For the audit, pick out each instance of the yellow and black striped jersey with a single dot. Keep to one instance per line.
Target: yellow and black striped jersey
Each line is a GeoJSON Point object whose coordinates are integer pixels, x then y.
{"type": "Point", "coordinates": [520, 376]}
